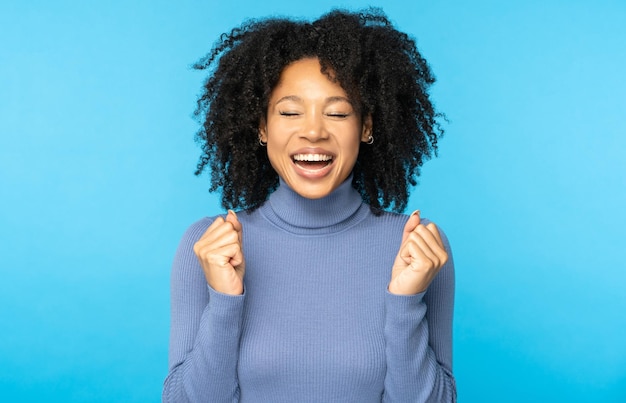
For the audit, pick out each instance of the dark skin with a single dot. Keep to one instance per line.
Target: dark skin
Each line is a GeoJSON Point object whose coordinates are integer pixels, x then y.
{"type": "Point", "coordinates": [378, 67]}
{"type": "Point", "coordinates": [311, 122]}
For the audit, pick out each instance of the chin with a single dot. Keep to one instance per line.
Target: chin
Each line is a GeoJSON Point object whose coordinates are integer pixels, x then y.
{"type": "Point", "coordinates": [313, 192]}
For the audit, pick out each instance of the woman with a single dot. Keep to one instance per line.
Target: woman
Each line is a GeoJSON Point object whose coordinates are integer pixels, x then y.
{"type": "Point", "coordinates": [313, 292]}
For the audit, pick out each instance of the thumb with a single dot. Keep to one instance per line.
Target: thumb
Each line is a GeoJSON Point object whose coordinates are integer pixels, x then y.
{"type": "Point", "coordinates": [411, 224]}
{"type": "Point", "coordinates": [231, 217]}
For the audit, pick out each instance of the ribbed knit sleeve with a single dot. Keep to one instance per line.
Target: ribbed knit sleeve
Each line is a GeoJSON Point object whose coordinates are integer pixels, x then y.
{"type": "Point", "coordinates": [418, 342]}
{"type": "Point", "coordinates": [205, 331]}
{"type": "Point", "coordinates": [315, 323]}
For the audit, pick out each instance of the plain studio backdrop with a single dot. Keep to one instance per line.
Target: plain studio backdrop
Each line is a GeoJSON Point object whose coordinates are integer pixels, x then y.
{"type": "Point", "coordinates": [97, 156]}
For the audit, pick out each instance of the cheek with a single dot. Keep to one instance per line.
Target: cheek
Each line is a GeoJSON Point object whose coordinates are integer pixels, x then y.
{"type": "Point", "coordinates": [351, 146]}
{"type": "Point", "coordinates": [277, 155]}
{"type": "Point", "coordinates": [278, 133]}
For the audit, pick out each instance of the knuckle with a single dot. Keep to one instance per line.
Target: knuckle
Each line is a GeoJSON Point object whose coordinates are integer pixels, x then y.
{"type": "Point", "coordinates": [414, 236]}
{"type": "Point", "coordinates": [423, 264]}
{"type": "Point", "coordinates": [214, 261]}
{"type": "Point", "coordinates": [197, 248]}
{"type": "Point", "coordinates": [232, 236]}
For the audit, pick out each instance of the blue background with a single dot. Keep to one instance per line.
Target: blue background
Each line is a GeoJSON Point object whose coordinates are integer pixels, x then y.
{"type": "Point", "coordinates": [96, 180]}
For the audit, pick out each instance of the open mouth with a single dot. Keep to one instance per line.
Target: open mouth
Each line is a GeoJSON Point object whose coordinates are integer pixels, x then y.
{"type": "Point", "coordinates": [312, 161]}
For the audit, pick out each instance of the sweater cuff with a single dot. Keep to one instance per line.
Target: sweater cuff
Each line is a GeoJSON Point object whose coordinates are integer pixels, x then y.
{"type": "Point", "coordinates": [222, 320]}
{"type": "Point", "coordinates": [225, 306]}
{"type": "Point", "coordinates": [404, 310]}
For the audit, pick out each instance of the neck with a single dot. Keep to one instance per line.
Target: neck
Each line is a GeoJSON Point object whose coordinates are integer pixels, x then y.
{"type": "Point", "coordinates": [331, 213]}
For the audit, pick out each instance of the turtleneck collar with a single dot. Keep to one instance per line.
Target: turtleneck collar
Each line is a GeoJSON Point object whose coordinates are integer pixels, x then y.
{"type": "Point", "coordinates": [297, 214]}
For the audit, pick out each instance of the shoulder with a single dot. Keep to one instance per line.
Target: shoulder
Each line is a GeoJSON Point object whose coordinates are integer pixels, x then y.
{"type": "Point", "coordinates": [397, 221]}
{"type": "Point", "coordinates": [382, 217]}
{"type": "Point", "coordinates": [195, 230]}
{"type": "Point", "coordinates": [387, 219]}
{"type": "Point", "coordinates": [185, 258]}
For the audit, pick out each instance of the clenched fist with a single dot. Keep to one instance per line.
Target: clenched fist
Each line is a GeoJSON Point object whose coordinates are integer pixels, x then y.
{"type": "Point", "coordinates": [419, 259]}
{"type": "Point", "coordinates": [221, 256]}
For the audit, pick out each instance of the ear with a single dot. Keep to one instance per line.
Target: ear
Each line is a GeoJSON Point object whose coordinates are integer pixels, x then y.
{"type": "Point", "coordinates": [263, 130]}
{"type": "Point", "coordinates": [366, 132]}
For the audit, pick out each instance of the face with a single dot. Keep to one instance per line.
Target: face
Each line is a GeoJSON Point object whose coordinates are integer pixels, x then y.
{"type": "Point", "coordinates": [312, 130]}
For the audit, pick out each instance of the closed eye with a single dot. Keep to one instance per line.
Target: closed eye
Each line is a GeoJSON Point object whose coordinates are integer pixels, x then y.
{"type": "Point", "coordinates": [286, 113]}
{"type": "Point", "coordinates": [338, 115]}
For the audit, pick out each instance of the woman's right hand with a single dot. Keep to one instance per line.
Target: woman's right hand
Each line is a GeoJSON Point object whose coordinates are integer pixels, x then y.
{"type": "Point", "coordinates": [221, 256]}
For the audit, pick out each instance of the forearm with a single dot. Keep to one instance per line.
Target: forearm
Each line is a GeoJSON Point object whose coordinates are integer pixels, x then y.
{"type": "Point", "coordinates": [418, 337]}
{"type": "Point", "coordinates": [413, 372]}
{"type": "Point", "coordinates": [208, 372]}
{"type": "Point", "coordinates": [204, 332]}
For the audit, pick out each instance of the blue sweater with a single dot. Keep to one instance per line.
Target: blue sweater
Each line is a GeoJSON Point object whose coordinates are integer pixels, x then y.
{"type": "Point", "coordinates": [316, 322]}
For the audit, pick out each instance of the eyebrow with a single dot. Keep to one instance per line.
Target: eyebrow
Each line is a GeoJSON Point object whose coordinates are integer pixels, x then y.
{"type": "Point", "coordinates": [329, 100]}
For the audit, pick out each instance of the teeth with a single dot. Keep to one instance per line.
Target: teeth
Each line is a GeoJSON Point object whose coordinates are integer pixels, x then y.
{"type": "Point", "coordinates": [312, 157]}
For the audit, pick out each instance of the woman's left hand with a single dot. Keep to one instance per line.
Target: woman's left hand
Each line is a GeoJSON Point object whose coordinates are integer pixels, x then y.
{"type": "Point", "coordinates": [419, 259]}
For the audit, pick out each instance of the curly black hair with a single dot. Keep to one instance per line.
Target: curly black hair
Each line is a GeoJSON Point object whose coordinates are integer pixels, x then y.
{"type": "Point", "coordinates": [381, 71]}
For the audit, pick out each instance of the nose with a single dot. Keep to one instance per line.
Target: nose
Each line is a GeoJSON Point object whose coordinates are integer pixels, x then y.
{"type": "Point", "coordinates": [314, 129]}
